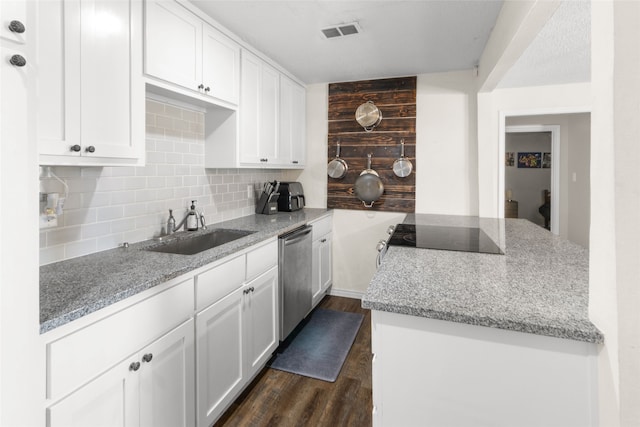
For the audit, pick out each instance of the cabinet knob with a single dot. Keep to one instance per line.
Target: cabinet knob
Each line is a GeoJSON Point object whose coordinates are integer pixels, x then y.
{"type": "Point", "coordinates": [147, 357]}
{"type": "Point", "coordinates": [90, 149]}
{"type": "Point", "coordinates": [207, 89]}
{"type": "Point", "coordinates": [323, 240]}
{"type": "Point", "coordinates": [295, 162]}
{"type": "Point", "coordinates": [252, 289]}
{"type": "Point", "coordinates": [246, 291]}
{"type": "Point", "coordinates": [134, 366]}
{"type": "Point", "coordinates": [75, 148]}
{"type": "Point", "coordinates": [18, 61]}
{"type": "Point", "coordinates": [16, 27]}
{"type": "Point", "coordinates": [200, 86]}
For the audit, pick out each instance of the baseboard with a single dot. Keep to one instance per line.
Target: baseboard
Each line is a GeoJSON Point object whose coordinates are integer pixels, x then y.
{"type": "Point", "coordinates": [347, 293]}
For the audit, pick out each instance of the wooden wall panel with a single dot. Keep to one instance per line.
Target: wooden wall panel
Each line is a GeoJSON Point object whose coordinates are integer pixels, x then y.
{"type": "Point", "coordinates": [396, 99]}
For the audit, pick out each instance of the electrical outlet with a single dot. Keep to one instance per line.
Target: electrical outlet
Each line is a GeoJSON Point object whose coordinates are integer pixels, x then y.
{"type": "Point", "coordinates": [250, 191]}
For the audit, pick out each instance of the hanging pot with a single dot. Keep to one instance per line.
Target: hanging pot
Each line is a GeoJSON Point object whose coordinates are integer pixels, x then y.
{"type": "Point", "coordinates": [368, 116]}
{"type": "Point", "coordinates": [337, 168]}
{"type": "Point", "coordinates": [368, 187]}
{"type": "Point", "coordinates": [402, 167]}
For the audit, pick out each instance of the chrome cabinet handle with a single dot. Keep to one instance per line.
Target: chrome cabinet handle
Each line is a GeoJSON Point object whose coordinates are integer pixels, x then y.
{"type": "Point", "coordinates": [147, 357]}
{"type": "Point", "coordinates": [18, 61]}
{"type": "Point", "coordinates": [134, 366]}
{"type": "Point", "coordinates": [207, 89]}
{"type": "Point", "coordinates": [16, 27]}
{"type": "Point", "coordinates": [264, 160]}
{"type": "Point", "coordinates": [90, 149]}
{"type": "Point", "coordinates": [295, 162]}
{"type": "Point", "coordinates": [323, 240]}
{"type": "Point", "coordinates": [76, 148]}
{"type": "Point", "coordinates": [200, 86]}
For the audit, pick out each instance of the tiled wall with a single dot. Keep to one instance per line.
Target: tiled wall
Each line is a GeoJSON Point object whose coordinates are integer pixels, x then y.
{"type": "Point", "coordinates": [110, 205]}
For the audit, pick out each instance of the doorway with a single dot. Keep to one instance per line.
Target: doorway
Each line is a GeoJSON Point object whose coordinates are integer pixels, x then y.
{"type": "Point", "coordinates": [532, 158]}
{"type": "Point", "coordinates": [570, 168]}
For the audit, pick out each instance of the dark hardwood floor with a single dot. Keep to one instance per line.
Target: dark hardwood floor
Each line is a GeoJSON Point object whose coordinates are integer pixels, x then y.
{"type": "Point", "coordinates": [277, 398]}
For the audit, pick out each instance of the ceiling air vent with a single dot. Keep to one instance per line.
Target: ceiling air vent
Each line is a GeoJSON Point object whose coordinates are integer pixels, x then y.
{"type": "Point", "coordinates": [341, 30]}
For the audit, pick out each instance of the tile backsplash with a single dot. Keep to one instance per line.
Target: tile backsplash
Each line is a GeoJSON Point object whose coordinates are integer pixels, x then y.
{"type": "Point", "coordinates": [107, 206]}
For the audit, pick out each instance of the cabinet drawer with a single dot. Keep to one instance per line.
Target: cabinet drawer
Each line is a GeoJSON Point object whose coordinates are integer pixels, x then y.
{"type": "Point", "coordinates": [261, 259]}
{"type": "Point", "coordinates": [322, 227]}
{"type": "Point", "coordinates": [220, 281]}
{"type": "Point", "coordinates": [80, 356]}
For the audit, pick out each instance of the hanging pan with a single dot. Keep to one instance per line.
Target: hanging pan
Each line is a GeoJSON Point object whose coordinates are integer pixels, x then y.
{"type": "Point", "coordinates": [402, 167]}
{"type": "Point", "coordinates": [368, 187]}
{"type": "Point", "coordinates": [368, 116]}
{"type": "Point", "coordinates": [337, 168]}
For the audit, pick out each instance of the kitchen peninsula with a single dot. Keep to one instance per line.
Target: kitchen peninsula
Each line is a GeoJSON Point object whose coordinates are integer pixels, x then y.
{"type": "Point", "coordinates": [482, 339]}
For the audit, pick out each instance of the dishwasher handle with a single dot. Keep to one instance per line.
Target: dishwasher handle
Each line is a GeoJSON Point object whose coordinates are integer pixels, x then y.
{"type": "Point", "coordinates": [296, 236]}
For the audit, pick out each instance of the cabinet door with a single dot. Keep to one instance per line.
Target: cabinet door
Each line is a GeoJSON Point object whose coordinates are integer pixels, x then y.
{"type": "Point", "coordinates": [219, 363]}
{"type": "Point", "coordinates": [249, 109]}
{"type": "Point", "coordinates": [58, 91]}
{"type": "Point", "coordinates": [259, 106]}
{"type": "Point", "coordinates": [220, 65]}
{"type": "Point", "coordinates": [173, 42]}
{"type": "Point", "coordinates": [326, 277]}
{"type": "Point", "coordinates": [111, 86]}
{"type": "Point", "coordinates": [292, 123]}
{"type": "Point", "coordinates": [111, 400]}
{"type": "Point", "coordinates": [321, 265]}
{"type": "Point", "coordinates": [316, 286]}
{"type": "Point", "coordinates": [167, 380]}
{"type": "Point", "coordinates": [269, 114]}
{"type": "Point", "coordinates": [261, 307]}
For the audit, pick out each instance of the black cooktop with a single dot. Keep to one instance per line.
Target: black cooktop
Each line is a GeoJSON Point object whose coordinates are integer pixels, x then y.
{"type": "Point", "coordinates": [466, 239]}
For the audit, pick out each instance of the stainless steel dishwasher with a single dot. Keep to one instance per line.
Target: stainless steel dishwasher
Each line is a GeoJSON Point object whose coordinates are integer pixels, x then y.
{"type": "Point", "coordinates": [294, 252]}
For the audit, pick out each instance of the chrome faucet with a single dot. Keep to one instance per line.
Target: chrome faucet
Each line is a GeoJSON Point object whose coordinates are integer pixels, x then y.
{"type": "Point", "coordinates": [171, 223]}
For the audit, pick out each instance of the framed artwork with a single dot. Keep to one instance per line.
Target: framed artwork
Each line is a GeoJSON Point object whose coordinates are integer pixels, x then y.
{"type": "Point", "coordinates": [529, 160]}
{"type": "Point", "coordinates": [546, 160]}
{"type": "Point", "coordinates": [509, 158]}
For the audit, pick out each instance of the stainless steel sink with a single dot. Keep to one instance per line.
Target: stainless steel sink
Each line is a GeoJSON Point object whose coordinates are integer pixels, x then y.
{"type": "Point", "coordinates": [187, 245]}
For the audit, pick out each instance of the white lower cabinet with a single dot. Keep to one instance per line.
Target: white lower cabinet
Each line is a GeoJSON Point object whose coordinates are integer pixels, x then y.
{"type": "Point", "coordinates": [176, 357]}
{"type": "Point", "coordinates": [219, 356]}
{"type": "Point", "coordinates": [236, 337]}
{"type": "Point", "coordinates": [321, 263]}
{"type": "Point", "coordinates": [153, 387]}
{"type": "Point", "coordinates": [261, 308]}
{"type": "Point", "coordinates": [167, 380]}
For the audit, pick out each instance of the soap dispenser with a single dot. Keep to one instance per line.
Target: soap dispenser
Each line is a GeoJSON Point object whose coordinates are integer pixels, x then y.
{"type": "Point", "coordinates": [192, 217]}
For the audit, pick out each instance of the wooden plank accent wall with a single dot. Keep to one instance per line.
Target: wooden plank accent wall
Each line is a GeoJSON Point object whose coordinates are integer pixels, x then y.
{"type": "Point", "coordinates": [396, 99]}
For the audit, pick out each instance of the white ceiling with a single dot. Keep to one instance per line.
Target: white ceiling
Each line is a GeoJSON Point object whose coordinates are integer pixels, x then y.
{"type": "Point", "coordinates": [398, 37]}
{"type": "Point", "coordinates": [561, 53]}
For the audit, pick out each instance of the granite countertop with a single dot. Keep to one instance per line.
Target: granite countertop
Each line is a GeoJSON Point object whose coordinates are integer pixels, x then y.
{"type": "Point", "coordinates": [539, 286]}
{"type": "Point", "coordinates": [74, 288]}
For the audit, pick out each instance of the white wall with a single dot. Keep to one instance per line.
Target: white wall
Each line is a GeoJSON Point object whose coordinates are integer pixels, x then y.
{"type": "Point", "coordinates": [446, 144]}
{"type": "Point", "coordinates": [614, 277]}
{"type": "Point", "coordinates": [446, 171]}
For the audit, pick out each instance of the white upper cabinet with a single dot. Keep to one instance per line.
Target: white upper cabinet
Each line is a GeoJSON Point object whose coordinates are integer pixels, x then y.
{"type": "Point", "coordinates": [259, 108]}
{"type": "Point", "coordinates": [173, 44]}
{"type": "Point", "coordinates": [183, 50]}
{"type": "Point", "coordinates": [271, 125]}
{"type": "Point", "coordinates": [220, 65]}
{"type": "Point", "coordinates": [89, 84]}
{"type": "Point", "coordinates": [292, 123]}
